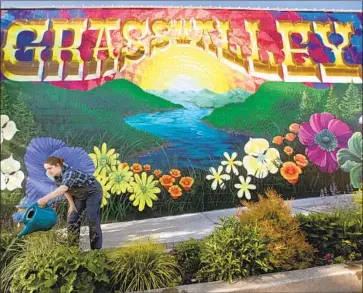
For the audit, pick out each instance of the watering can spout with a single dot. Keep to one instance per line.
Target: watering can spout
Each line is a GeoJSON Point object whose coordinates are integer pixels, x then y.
{"type": "Point", "coordinates": [37, 218]}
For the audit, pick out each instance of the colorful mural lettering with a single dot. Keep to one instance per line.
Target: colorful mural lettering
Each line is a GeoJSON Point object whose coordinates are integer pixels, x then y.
{"type": "Point", "coordinates": [178, 110]}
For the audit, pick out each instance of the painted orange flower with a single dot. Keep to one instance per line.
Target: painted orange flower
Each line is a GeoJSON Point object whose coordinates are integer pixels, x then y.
{"type": "Point", "coordinates": [136, 168]}
{"type": "Point", "coordinates": [167, 181]}
{"type": "Point", "coordinates": [175, 191]}
{"type": "Point", "coordinates": [186, 182]}
{"type": "Point", "coordinates": [288, 150]}
{"type": "Point", "coordinates": [301, 160]}
{"type": "Point", "coordinates": [290, 171]}
{"type": "Point", "coordinates": [294, 127]}
{"type": "Point", "coordinates": [278, 140]}
{"type": "Point", "coordinates": [290, 136]}
{"type": "Point", "coordinates": [175, 173]}
{"type": "Point", "coordinates": [157, 172]}
{"type": "Point", "coordinates": [147, 168]}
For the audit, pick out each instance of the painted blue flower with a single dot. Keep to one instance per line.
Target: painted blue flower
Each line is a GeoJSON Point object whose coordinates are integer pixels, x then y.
{"type": "Point", "coordinates": [38, 150]}
{"type": "Point", "coordinates": [22, 206]}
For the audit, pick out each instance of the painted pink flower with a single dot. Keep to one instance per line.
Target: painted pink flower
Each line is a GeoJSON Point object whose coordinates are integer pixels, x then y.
{"type": "Point", "coordinates": [323, 137]}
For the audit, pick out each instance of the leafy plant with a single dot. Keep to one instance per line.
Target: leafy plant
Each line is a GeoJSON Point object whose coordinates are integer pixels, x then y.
{"type": "Point", "coordinates": [337, 237]}
{"type": "Point", "coordinates": [47, 264]}
{"type": "Point", "coordinates": [188, 257]}
{"type": "Point", "coordinates": [142, 266]}
{"type": "Point", "coordinates": [233, 251]}
{"type": "Point", "coordinates": [286, 242]}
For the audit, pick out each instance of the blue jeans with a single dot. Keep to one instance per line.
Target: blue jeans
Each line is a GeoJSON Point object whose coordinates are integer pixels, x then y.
{"type": "Point", "coordinates": [91, 203]}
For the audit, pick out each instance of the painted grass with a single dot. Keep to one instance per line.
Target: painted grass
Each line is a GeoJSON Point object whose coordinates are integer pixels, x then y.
{"type": "Point", "coordinates": [89, 118]}
{"type": "Point", "coordinates": [267, 112]}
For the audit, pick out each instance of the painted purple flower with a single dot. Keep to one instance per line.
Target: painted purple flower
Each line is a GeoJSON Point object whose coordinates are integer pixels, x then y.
{"type": "Point", "coordinates": [38, 184]}
{"type": "Point", "coordinates": [324, 136]}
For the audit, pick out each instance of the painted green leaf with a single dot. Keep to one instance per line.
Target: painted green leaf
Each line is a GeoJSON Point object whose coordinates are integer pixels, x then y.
{"type": "Point", "coordinates": [355, 144]}
{"type": "Point", "coordinates": [355, 176]}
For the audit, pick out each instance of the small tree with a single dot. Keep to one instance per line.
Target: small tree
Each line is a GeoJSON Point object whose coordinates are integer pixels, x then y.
{"type": "Point", "coordinates": [332, 103]}
{"type": "Point", "coordinates": [350, 105]}
{"type": "Point", "coordinates": [306, 107]}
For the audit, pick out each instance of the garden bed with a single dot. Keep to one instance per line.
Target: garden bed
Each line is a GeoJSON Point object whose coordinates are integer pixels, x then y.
{"type": "Point", "coordinates": [265, 238]}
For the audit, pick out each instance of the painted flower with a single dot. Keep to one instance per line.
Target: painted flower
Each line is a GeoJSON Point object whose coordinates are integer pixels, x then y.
{"type": "Point", "coordinates": [301, 160]}
{"type": "Point", "coordinates": [8, 128]}
{"type": "Point", "coordinates": [278, 140]}
{"type": "Point", "coordinates": [147, 168]}
{"type": "Point", "coordinates": [290, 172]}
{"type": "Point", "coordinates": [11, 176]}
{"type": "Point", "coordinates": [136, 168]}
{"type": "Point", "coordinates": [175, 173]}
{"type": "Point", "coordinates": [294, 127]}
{"type": "Point", "coordinates": [217, 177]}
{"type": "Point", "coordinates": [104, 160]}
{"type": "Point", "coordinates": [106, 186]}
{"type": "Point", "coordinates": [260, 159]}
{"type": "Point", "coordinates": [167, 181]}
{"type": "Point", "coordinates": [22, 206]}
{"type": "Point", "coordinates": [124, 164]}
{"type": "Point", "coordinates": [288, 150]}
{"type": "Point", "coordinates": [175, 191]}
{"type": "Point", "coordinates": [244, 187]}
{"type": "Point", "coordinates": [38, 150]}
{"type": "Point", "coordinates": [231, 163]}
{"type": "Point", "coordinates": [144, 191]}
{"type": "Point", "coordinates": [120, 179]}
{"type": "Point", "coordinates": [290, 137]}
{"type": "Point", "coordinates": [186, 182]}
{"type": "Point", "coordinates": [157, 172]}
{"type": "Point", "coordinates": [323, 136]}
{"type": "Point", "coordinates": [350, 159]}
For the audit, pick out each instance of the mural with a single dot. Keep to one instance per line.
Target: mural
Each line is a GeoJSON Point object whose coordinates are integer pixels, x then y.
{"type": "Point", "coordinates": [178, 110]}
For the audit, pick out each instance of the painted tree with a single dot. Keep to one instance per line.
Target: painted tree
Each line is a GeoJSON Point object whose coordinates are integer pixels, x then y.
{"type": "Point", "coordinates": [306, 107]}
{"type": "Point", "coordinates": [14, 106]}
{"type": "Point", "coordinates": [350, 105]}
{"type": "Point", "coordinates": [332, 103]}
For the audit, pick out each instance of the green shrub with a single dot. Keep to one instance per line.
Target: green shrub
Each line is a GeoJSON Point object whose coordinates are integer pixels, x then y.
{"type": "Point", "coordinates": [142, 266]}
{"type": "Point", "coordinates": [233, 251]}
{"type": "Point", "coordinates": [47, 264]}
{"type": "Point", "coordinates": [337, 237]}
{"type": "Point", "coordinates": [188, 257]}
{"type": "Point", "coordinates": [286, 242]}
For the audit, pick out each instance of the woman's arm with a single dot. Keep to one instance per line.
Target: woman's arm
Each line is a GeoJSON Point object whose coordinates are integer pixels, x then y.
{"type": "Point", "coordinates": [69, 198]}
{"type": "Point", "coordinates": [72, 206]}
{"type": "Point", "coordinates": [59, 191]}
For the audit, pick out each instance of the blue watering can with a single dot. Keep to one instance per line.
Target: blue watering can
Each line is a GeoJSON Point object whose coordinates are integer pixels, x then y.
{"type": "Point", "coordinates": [37, 218]}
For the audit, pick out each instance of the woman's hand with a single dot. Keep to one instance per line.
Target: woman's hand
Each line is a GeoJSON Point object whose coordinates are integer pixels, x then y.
{"type": "Point", "coordinates": [43, 201]}
{"type": "Point", "coordinates": [71, 209]}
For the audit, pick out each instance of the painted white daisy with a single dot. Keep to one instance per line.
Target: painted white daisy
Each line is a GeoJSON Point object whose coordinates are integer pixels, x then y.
{"type": "Point", "coordinates": [231, 163]}
{"type": "Point", "coordinates": [244, 187]}
{"type": "Point", "coordinates": [218, 177]}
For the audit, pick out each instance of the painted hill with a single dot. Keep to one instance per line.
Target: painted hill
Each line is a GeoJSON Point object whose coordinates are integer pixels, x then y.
{"type": "Point", "coordinates": [268, 111]}
{"type": "Point", "coordinates": [203, 98]}
{"type": "Point", "coordinates": [88, 118]}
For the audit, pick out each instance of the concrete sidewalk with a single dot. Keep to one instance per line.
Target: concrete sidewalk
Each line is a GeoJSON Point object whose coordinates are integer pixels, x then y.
{"type": "Point", "coordinates": [173, 229]}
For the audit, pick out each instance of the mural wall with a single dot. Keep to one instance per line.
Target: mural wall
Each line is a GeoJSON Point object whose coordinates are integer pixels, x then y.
{"type": "Point", "coordinates": [182, 109]}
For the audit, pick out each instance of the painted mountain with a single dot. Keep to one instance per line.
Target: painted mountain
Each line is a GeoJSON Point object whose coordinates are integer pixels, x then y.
{"type": "Point", "coordinates": [203, 98]}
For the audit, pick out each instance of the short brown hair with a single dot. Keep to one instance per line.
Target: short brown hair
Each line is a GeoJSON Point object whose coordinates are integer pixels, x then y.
{"type": "Point", "coordinates": [54, 161]}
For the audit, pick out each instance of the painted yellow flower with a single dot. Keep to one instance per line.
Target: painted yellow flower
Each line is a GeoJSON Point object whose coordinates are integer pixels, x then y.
{"type": "Point", "coordinates": [106, 186]}
{"type": "Point", "coordinates": [144, 191]}
{"type": "Point", "coordinates": [104, 159]}
{"type": "Point", "coordinates": [260, 159]}
{"type": "Point", "coordinates": [120, 178]}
